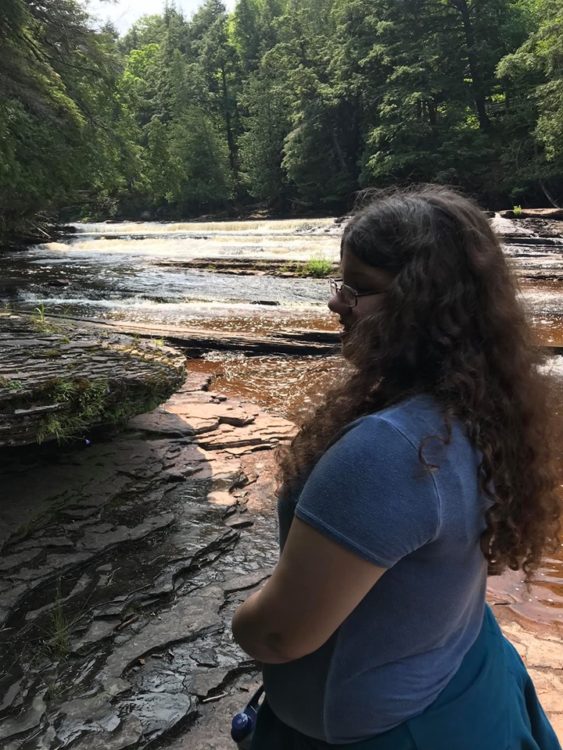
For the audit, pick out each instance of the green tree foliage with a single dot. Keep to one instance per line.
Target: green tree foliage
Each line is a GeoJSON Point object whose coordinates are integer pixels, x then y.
{"type": "Point", "coordinates": [198, 162]}
{"type": "Point", "coordinates": [266, 125]}
{"type": "Point", "coordinates": [533, 80]}
{"type": "Point", "coordinates": [295, 103]}
{"type": "Point", "coordinates": [318, 156]}
{"type": "Point", "coordinates": [60, 132]}
{"type": "Point", "coordinates": [177, 93]}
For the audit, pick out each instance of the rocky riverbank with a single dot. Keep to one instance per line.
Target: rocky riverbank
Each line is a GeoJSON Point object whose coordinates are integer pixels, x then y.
{"type": "Point", "coordinates": [123, 564]}
{"type": "Point", "coordinates": [117, 598]}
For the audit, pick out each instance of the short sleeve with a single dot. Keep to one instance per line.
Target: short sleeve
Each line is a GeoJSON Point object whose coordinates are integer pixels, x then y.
{"type": "Point", "coordinates": [371, 493]}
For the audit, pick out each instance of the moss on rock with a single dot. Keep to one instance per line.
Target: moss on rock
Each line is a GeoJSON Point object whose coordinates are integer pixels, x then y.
{"type": "Point", "coordinates": [96, 379]}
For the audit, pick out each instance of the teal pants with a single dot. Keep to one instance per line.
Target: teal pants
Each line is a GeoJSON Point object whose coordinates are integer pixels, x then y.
{"type": "Point", "coordinates": [489, 704]}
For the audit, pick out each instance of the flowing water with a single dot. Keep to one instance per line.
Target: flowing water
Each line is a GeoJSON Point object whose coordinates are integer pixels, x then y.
{"type": "Point", "coordinates": [143, 273]}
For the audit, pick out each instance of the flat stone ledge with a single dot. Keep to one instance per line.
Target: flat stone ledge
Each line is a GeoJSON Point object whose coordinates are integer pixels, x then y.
{"type": "Point", "coordinates": [58, 380]}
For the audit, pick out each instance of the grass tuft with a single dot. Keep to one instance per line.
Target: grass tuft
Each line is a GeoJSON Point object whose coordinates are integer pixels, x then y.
{"type": "Point", "coordinates": [318, 268]}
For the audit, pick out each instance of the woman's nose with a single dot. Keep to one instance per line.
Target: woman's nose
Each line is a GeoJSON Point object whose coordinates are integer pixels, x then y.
{"type": "Point", "coordinates": [336, 305]}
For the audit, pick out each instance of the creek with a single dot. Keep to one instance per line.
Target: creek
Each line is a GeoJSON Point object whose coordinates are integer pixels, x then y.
{"type": "Point", "coordinates": [140, 272]}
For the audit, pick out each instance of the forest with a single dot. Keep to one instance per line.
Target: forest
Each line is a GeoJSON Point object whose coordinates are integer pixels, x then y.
{"type": "Point", "coordinates": [291, 106]}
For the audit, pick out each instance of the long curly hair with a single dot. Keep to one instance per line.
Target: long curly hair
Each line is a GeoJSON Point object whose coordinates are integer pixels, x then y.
{"type": "Point", "coordinates": [449, 325]}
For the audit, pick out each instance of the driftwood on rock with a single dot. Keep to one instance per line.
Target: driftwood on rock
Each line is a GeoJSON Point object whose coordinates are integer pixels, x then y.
{"type": "Point", "coordinates": [58, 380]}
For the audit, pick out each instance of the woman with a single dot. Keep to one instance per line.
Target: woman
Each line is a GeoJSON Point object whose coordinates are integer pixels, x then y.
{"type": "Point", "coordinates": [426, 467]}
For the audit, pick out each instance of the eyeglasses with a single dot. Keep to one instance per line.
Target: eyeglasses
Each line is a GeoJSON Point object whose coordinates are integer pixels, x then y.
{"type": "Point", "coordinates": [348, 295]}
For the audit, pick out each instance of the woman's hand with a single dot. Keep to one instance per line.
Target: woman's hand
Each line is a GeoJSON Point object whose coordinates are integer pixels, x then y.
{"type": "Point", "coordinates": [316, 584]}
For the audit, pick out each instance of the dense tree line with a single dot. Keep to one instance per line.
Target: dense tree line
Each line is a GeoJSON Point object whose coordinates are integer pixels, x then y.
{"type": "Point", "coordinates": [295, 104]}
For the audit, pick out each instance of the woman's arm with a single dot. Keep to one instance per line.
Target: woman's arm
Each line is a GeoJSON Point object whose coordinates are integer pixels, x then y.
{"type": "Point", "coordinates": [316, 584]}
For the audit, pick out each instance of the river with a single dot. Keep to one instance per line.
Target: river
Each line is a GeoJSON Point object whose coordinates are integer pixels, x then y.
{"type": "Point", "coordinates": [144, 273]}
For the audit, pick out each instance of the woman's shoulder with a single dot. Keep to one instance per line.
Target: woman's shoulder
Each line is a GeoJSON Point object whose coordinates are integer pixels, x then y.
{"type": "Point", "coordinates": [415, 418]}
{"type": "Point", "coordinates": [396, 431]}
{"type": "Point", "coordinates": [418, 429]}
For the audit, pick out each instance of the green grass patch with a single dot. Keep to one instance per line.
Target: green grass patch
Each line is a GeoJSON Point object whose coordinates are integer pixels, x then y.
{"type": "Point", "coordinates": [88, 404]}
{"type": "Point", "coordinates": [58, 642]}
{"type": "Point", "coordinates": [12, 385]}
{"type": "Point", "coordinates": [318, 268]}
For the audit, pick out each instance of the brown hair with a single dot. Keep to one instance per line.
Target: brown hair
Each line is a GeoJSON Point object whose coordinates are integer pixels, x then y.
{"type": "Point", "coordinates": [449, 325]}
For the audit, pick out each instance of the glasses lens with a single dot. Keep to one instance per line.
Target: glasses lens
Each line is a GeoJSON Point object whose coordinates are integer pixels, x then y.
{"type": "Point", "coordinates": [347, 295]}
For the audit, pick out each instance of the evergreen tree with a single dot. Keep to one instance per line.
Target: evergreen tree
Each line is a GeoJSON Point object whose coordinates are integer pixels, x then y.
{"type": "Point", "coordinates": [533, 80]}
{"type": "Point", "coordinates": [296, 103]}
{"type": "Point", "coordinates": [266, 125]}
{"type": "Point", "coordinates": [57, 78]}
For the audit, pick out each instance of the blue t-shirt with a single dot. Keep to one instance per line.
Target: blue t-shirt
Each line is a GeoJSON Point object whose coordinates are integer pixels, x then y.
{"type": "Point", "coordinates": [398, 649]}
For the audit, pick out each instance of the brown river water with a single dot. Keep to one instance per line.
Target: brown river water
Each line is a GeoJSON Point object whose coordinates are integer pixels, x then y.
{"type": "Point", "coordinates": [140, 273]}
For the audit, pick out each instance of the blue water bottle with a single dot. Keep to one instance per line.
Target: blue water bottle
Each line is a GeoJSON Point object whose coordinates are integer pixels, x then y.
{"type": "Point", "coordinates": [243, 723]}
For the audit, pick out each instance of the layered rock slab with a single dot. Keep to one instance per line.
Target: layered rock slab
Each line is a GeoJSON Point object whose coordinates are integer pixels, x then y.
{"type": "Point", "coordinates": [58, 381]}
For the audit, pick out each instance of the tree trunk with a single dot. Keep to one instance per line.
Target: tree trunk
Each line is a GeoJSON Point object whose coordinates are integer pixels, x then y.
{"type": "Point", "coordinates": [228, 126]}
{"type": "Point", "coordinates": [476, 82]}
{"type": "Point", "coordinates": [338, 150]}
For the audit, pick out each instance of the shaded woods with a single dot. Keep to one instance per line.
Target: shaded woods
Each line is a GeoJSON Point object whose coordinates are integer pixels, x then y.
{"type": "Point", "coordinates": [292, 104]}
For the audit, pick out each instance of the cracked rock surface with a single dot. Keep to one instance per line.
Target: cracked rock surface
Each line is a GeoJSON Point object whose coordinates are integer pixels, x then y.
{"type": "Point", "coordinates": [122, 565]}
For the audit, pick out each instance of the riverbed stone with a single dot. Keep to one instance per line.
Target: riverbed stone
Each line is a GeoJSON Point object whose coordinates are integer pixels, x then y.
{"type": "Point", "coordinates": [238, 521]}
{"type": "Point", "coordinates": [540, 651]}
{"type": "Point", "coordinates": [14, 561]}
{"type": "Point", "coordinates": [186, 619]}
{"type": "Point", "coordinates": [27, 720]}
{"type": "Point", "coordinates": [549, 685]}
{"type": "Point", "coordinates": [93, 709]}
{"type": "Point", "coordinates": [197, 616]}
{"type": "Point", "coordinates": [245, 582]}
{"type": "Point", "coordinates": [161, 712]}
{"type": "Point", "coordinates": [58, 380]}
{"type": "Point", "coordinates": [10, 695]}
{"type": "Point", "coordinates": [101, 539]}
{"type": "Point", "coordinates": [203, 682]}
{"type": "Point", "coordinates": [211, 730]}
{"type": "Point", "coordinates": [224, 499]}
{"type": "Point", "coordinates": [162, 423]}
{"type": "Point", "coordinates": [85, 719]}
{"type": "Point", "coordinates": [97, 631]}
